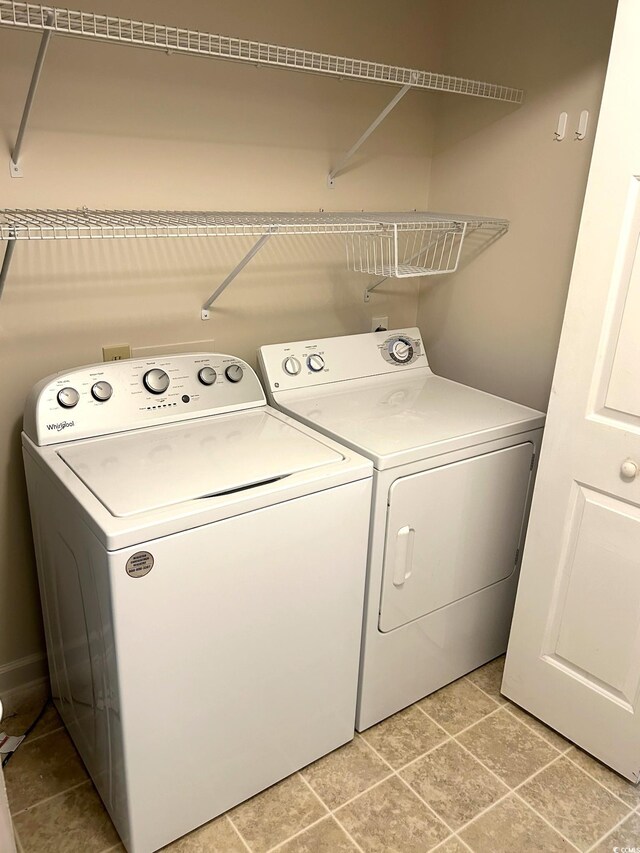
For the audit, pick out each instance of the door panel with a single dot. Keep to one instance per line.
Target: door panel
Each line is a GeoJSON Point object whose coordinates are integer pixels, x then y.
{"type": "Point", "coordinates": [452, 531]}
{"type": "Point", "coordinates": [574, 650]}
{"type": "Point", "coordinates": [594, 629]}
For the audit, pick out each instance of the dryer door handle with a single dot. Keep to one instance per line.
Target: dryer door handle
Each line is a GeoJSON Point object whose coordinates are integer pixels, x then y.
{"type": "Point", "coordinates": [404, 555]}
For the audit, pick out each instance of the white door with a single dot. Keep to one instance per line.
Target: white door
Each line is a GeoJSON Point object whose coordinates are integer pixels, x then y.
{"type": "Point", "coordinates": [452, 531]}
{"type": "Point", "coordinates": [574, 650]}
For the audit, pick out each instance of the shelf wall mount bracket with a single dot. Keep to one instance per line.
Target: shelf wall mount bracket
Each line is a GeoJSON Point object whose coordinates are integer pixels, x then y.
{"type": "Point", "coordinates": [253, 251]}
{"type": "Point", "coordinates": [15, 169]}
{"type": "Point", "coordinates": [331, 177]}
{"type": "Point", "coordinates": [6, 262]}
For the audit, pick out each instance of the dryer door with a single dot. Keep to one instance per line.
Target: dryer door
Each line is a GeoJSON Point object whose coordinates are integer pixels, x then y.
{"type": "Point", "coordinates": [452, 531]}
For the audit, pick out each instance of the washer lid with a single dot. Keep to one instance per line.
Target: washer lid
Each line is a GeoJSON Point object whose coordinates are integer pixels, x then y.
{"type": "Point", "coordinates": [401, 419]}
{"type": "Point", "coordinates": [162, 466]}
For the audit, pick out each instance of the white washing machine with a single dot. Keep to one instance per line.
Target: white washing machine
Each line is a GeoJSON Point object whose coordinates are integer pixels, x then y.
{"type": "Point", "coordinates": [201, 560]}
{"type": "Point", "coordinates": [453, 475]}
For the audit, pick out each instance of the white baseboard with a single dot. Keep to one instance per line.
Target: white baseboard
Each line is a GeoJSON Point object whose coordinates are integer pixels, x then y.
{"type": "Point", "coordinates": [22, 672]}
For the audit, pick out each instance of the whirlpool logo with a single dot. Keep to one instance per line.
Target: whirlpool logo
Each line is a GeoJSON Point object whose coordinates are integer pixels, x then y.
{"type": "Point", "coordinates": [61, 425]}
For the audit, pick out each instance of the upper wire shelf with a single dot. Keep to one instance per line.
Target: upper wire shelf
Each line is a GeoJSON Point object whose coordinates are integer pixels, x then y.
{"type": "Point", "coordinates": [107, 28]}
{"type": "Point", "coordinates": [111, 224]}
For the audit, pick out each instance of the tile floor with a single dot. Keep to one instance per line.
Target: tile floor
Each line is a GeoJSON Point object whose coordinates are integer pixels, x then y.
{"type": "Point", "coordinates": [462, 770]}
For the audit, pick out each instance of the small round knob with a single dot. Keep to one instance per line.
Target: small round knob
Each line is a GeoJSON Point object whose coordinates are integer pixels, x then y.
{"type": "Point", "coordinates": [101, 391]}
{"type": "Point", "coordinates": [156, 381]}
{"type": "Point", "coordinates": [68, 397]}
{"type": "Point", "coordinates": [629, 469]}
{"type": "Point", "coordinates": [315, 362]}
{"type": "Point", "coordinates": [234, 373]}
{"type": "Point", "coordinates": [207, 375]}
{"type": "Point", "coordinates": [291, 366]}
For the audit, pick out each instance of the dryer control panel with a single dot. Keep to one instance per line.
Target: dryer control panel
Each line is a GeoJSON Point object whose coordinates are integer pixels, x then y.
{"type": "Point", "coordinates": [306, 364]}
{"type": "Point", "coordinates": [115, 396]}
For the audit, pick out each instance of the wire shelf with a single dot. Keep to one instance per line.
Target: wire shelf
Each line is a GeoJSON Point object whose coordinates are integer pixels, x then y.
{"type": "Point", "coordinates": [115, 224]}
{"type": "Point", "coordinates": [107, 28]}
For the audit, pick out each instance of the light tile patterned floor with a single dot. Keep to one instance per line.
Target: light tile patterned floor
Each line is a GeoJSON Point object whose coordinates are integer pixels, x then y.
{"type": "Point", "coordinates": [462, 770]}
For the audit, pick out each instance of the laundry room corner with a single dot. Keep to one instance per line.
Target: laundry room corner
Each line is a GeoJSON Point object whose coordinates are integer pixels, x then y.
{"type": "Point", "coordinates": [495, 323]}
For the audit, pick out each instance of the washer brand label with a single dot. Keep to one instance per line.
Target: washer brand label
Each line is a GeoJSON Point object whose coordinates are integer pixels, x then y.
{"type": "Point", "coordinates": [61, 425]}
{"type": "Point", "coordinates": [139, 564]}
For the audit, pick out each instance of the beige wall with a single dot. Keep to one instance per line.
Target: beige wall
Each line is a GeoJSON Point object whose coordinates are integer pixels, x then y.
{"type": "Point", "coordinates": [496, 323]}
{"type": "Point", "coordinates": [118, 127]}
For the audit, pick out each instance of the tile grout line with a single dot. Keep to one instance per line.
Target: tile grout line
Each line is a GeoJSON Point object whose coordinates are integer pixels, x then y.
{"type": "Point", "coordinates": [237, 832]}
{"type": "Point", "coordinates": [544, 819]}
{"type": "Point", "coordinates": [19, 847]}
{"type": "Point", "coordinates": [493, 773]}
{"type": "Point", "coordinates": [602, 784]}
{"type": "Point", "coordinates": [32, 738]}
{"type": "Point", "coordinates": [52, 797]}
{"type": "Point", "coordinates": [613, 828]}
{"type": "Point", "coordinates": [332, 811]}
{"type": "Point", "coordinates": [564, 751]}
{"type": "Point", "coordinates": [464, 843]}
{"type": "Point", "coordinates": [289, 838]}
{"type": "Point", "coordinates": [517, 793]}
{"type": "Point", "coordinates": [466, 728]}
{"type": "Point", "coordinates": [502, 701]}
{"type": "Point", "coordinates": [514, 790]}
{"type": "Point", "coordinates": [404, 782]}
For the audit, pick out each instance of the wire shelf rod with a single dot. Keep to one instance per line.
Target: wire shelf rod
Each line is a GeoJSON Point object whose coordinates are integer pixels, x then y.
{"type": "Point", "coordinates": [14, 164]}
{"type": "Point", "coordinates": [108, 28]}
{"type": "Point", "coordinates": [23, 224]}
{"type": "Point", "coordinates": [253, 251]}
{"type": "Point", "coordinates": [331, 178]}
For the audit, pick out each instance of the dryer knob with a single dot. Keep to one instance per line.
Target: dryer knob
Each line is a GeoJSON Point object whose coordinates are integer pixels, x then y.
{"type": "Point", "coordinates": [68, 398]}
{"type": "Point", "coordinates": [291, 366]}
{"type": "Point", "coordinates": [234, 373]}
{"type": "Point", "coordinates": [315, 363]}
{"type": "Point", "coordinates": [156, 381]}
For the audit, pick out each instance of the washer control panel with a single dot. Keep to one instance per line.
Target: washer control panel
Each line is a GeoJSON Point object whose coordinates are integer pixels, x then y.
{"type": "Point", "coordinates": [306, 364]}
{"type": "Point", "coordinates": [116, 396]}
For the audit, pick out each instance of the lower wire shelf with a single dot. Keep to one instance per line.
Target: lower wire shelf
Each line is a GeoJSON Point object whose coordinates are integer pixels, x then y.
{"type": "Point", "coordinates": [389, 244]}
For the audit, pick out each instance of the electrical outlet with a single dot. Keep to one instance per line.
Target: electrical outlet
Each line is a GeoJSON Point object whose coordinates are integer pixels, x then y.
{"type": "Point", "coordinates": [379, 324]}
{"type": "Point", "coordinates": [116, 352]}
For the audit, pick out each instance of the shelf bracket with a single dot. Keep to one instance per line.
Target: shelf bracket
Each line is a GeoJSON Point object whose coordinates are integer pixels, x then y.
{"type": "Point", "coordinates": [15, 169]}
{"type": "Point", "coordinates": [253, 251]}
{"type": "Point", "coordinates": [369, 290]}
{"type": "Point", "coordinates": [331, 177]}
{"type": "Point", "coordinates": [6, 262]}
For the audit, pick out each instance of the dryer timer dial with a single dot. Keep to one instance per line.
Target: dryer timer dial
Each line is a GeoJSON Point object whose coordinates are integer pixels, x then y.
{"type": "Point", "coordinates": [401, 350]}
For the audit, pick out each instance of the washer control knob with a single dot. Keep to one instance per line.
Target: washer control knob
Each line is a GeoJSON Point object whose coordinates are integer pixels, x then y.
{"type": "Point", "coordinates": [234, 373]}
{"type": "Point", "coordinates": [68, 397]}
{"type": "Point", "coordinates": [207, 375]}
{"type": "Point", "coordinates": [291, 366]}
{"type": "Point", "coordinates": [156, 381]}
{"type": "Point", "coordinates": [315, 363]}
{"type": "Point", "coordinates": [629, 469]}
{"type": "Point", "coordinates": [101, 391]}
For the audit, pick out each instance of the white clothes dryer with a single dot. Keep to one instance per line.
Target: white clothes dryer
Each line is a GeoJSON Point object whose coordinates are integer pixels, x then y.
{"type": "Point", "coordinates": [453, 476]}
{"type": "Point", "coordinates": [201, 561]}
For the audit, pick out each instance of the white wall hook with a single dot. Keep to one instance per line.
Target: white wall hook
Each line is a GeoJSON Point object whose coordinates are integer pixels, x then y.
{"type": "Point", "coordinates": [561, 130]}
{"type": "Point", "coordinates": [583, 123]}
